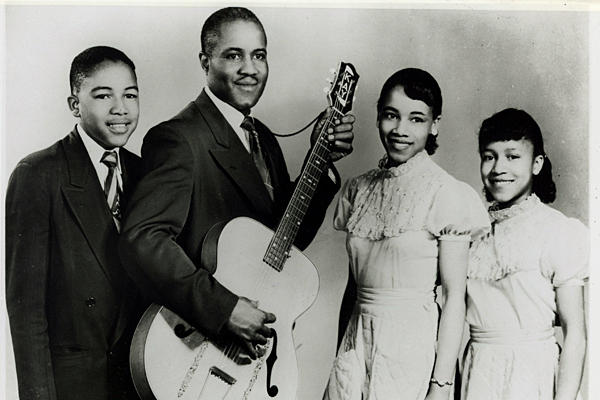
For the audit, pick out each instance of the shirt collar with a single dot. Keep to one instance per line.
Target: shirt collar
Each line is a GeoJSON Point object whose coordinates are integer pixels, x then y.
{"type": "Point", "coordinates": [95, 151]}
{"type": "Point", "coordinates": [233, 116]}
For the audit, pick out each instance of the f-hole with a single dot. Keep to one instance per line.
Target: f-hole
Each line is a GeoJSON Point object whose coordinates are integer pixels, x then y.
{"type": "Point", "coordinates": [181, 332]}
{"type": "Point", "coordinates": [272, 390]}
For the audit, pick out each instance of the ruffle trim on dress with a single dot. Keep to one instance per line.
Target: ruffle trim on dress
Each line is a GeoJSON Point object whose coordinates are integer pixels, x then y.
{"type": "Point", "coordinates": [485, 266]}
{"type": "Point", "coordinates": [403, 168]}
{"type": "Point", "coordinates": [503, 251]}
{"type": "Point", "coordinates": [451, 232]}
{"type": "Point", "coordinates": [485, 262]}
{"type": "Point", "coordinates": [500, 214]}
{"type": "Point", "coordinates": [389, 202]}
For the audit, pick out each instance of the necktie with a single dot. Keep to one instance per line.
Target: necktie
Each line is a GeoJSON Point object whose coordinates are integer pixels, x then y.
{"type": "Point", "coordinates": [112, 191]}
{"type": "Point", "coordinates": [257, 155]}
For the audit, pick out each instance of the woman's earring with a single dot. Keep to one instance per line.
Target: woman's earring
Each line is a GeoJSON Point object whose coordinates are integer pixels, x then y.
{"type": "Point", "coordinates": [434, 131]}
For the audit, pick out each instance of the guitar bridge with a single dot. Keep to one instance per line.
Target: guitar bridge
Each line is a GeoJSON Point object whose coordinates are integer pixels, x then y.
{"type": "Point", "coordinates": [222, 375]}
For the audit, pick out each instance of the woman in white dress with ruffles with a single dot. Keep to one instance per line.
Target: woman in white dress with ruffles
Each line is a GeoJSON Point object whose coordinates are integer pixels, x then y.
{"type": "Point", "coordinates": [409, 224]}
{"type": "Point", "coordinates": [530, 269]}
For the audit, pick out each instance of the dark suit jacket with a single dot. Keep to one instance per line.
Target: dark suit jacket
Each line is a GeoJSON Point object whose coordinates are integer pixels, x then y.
{"type": "Point", "coordinates": [72, 307]}
{"type": "Point", "coordinates": [197, 173]}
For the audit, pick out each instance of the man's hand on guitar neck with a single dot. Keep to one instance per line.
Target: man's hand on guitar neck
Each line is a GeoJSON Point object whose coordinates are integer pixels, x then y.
{"type": "Point", "coordinates": [247, 322]}
{"type": "Point", "coordinates": [341, 134]}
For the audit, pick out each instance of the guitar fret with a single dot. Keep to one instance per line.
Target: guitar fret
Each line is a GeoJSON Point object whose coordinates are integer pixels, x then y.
{"type": "Point", "coordinates": [308, 180]}
{"type": "Point", "coordinates": [288, 232]}
{"type": "Point", "coordinates": [316, 167]}
{"type": "Point", "coordinates": [321, 159]}
{"type": "Point", "coordinates": [340, 99]}
{"type": "Point", "coordinates": [323, 153]}
{"type": "Point", "coordinates": [301, 205]}
{"type": "Point", "coordinates": [302, 198]}
{"type": "Point", "coordinates": [298, 211]}
{"type": "Point", "coordinates": [275, 255]}
{"type": "Point", "coordinates": [307, 191]}
{"type": "Point", "coordinates": [297, 208]}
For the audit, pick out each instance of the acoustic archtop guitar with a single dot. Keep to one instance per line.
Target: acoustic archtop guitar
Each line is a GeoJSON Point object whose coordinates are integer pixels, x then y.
{"type": "Point", "coordinates": [170, 360]}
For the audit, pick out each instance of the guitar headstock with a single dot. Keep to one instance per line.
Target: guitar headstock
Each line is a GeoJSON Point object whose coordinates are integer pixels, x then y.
{"type": "Point", "coordinates": [341, 93]}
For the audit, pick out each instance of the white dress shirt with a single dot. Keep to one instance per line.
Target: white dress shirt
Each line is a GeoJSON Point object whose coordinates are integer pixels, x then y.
{"type": "Point", "coordinates": [233, 116]}
{"type": "Point", "coordinates": [95, 151]}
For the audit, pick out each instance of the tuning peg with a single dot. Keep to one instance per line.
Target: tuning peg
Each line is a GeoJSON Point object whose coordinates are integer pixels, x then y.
{"type": "Point", "coordinates": [329, 80]}
{"type": "Point", "coordinates": [332, 71]}
{"type": "Point", "coordinates": [326, 90]}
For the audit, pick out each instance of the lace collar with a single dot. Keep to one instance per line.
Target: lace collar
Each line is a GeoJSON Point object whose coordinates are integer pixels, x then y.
{"type": "Point", "coordinates": [385, 204]}
{"type": "Point", "coordinates": [404, 168]}
{"type": "Point", "coordinates": [501, 214]}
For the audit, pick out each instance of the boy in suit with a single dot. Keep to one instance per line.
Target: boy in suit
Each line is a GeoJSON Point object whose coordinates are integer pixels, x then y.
{"type": "Point", "coordinates": [71, 306]}
{"type": "Point", "coordinates": [200, 169]}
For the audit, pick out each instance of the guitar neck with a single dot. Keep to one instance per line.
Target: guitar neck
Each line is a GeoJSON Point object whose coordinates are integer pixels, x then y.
{"type": "Point", "coordinates": [316, 165]}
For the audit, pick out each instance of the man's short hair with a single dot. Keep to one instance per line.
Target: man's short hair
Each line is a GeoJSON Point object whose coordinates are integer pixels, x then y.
{"type": "Point", "coordinates": [88, 61]}
{"type": "Point", "coordinates": [212, 27]}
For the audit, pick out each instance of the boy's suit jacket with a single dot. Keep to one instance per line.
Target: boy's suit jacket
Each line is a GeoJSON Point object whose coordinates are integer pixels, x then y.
{"type": "Point", "coordinates": [197, 173]}
{"type": "Point", "coordinates": [71, 306]}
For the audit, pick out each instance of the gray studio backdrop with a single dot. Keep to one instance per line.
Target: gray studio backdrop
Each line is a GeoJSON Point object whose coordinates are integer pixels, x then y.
{"type": "Point", "coordinates": [484, 60]}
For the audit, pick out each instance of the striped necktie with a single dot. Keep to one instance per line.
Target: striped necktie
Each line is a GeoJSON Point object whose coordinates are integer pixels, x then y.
{"type": "Point", "coordinates": [112, 191]}
{"type": "Point", "coordinates": [257, 154]}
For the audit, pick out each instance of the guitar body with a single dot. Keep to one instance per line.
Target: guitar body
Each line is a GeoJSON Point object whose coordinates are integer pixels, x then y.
{"type": "Point", "coordinates": [170, 360]}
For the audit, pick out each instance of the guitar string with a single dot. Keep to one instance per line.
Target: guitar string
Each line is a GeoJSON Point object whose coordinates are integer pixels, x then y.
{"type": "Point", "coordinates": [261, 286]}
{"type": "Point", "coordinates": [284, 235]}
{"type": "Point", "coordinates": [290, 230]}
{"type": "Point", "coordinates": [307, 186]}
{"type": "Point", "coordinates": [232, 350]}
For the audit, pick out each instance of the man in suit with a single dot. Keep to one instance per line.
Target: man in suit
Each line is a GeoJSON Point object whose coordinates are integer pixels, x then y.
{"type": "Point", "coordinates": [200, 169]}
{"type": "Point", "coordinates": [72, 307]}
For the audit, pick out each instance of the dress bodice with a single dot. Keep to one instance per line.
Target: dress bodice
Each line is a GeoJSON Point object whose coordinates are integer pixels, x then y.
{"type": "Point", "coordinates": [513, 271]}
{"type": "Point", "coordinates": [395, 217]}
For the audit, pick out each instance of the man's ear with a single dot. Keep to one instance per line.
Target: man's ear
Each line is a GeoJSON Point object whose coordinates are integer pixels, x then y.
{"type": "Point", "coordinates": [203, 61]}
{"type": "Point", "coordinates": [73, 102]}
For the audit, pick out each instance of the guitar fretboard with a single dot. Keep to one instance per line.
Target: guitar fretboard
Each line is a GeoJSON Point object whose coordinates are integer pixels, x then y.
{"type": "Point", "coordinates": [317, 163]}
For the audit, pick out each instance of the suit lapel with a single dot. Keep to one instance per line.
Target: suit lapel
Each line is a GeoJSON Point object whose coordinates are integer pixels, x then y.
{"type": "Point", "coordinates": [233, 157]}
{"type": "Point", "coordinates": [86, 200]}
{"type": "Point", "coordinates": [269, 143]}
{"type": "Point", "coordinates": [124, 158]}
{"type": "Point", "coordinates": [129, 173]}
{"type": "Point", "coordinates": [130, 170]}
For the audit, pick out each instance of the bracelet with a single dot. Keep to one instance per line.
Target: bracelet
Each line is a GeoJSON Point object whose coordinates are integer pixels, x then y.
{"type": "Point", "coordinates": [440, 384]}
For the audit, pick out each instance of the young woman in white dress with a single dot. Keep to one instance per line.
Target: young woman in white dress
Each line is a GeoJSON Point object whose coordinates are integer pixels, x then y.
{"type": "Point", "coordinates": [528, 270]}
{"type": "Point", "coordinates": [409, 225]}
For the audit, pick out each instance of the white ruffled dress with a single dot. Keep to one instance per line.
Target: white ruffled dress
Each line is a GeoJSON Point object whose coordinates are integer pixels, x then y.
{"type": "Point", "coordinates": [394, 219]}
{"type": "Point", "coordinates": [513, 272]}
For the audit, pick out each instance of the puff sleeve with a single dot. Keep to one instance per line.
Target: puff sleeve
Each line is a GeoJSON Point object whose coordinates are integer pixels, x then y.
{"type": "Point", "coordinates": [344, 205]}
{"type": "Point", "coordinates": [566, 257]}
{"type": "Point", "coordinates": [457, 213]}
